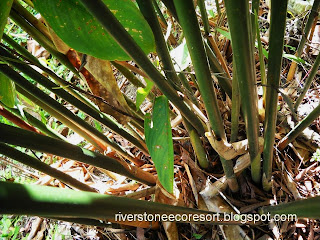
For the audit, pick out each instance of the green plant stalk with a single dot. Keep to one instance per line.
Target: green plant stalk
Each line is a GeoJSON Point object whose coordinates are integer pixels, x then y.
{"type": "Point", "coordinates": [68, 97]}
{"type": "Point", "coordinates": [30, 18]}
{"type": "Point", "coordinates": [170, 6]}
{"type": "Point", "coordinates": [101, 12]}
{"type": "Point", "coordinates": [235, 110]}
{"type": "Point", "coordinates": [138, 114]}
{"type": "Point", "coordinates": [187, 89]}
{"type": "Point", "coordinates": [130, 76]}
{"type": "Point", "coordinates": [204, 16]}
{"type": "Point", "coordinates": [254, 10]}
{"type": "Point", "coordinates": [149, 14]}
{"type": "Point", "coordinates": [277, 28]}
{"type": "Point", "coordinates": [77, 124]}
{"type": "Point", "coordinates": [37, 123]}
{"type": "Point", "coordinates": [308, 82]}
{"type": "Point", "coordinates": [299, 128]}
{"type": "Point", "coordinates": [223, 79]}
{"type": "Point", "coordinates": [33, 60]}
{"type": "Point", "coordinates": [189, 23]}
{"type": "Point", "coordinates": [306, 208]}
{"type": "Point", "coordinates": [239, 22]}
{"type": "Point", "coordinates": [99, 116]}
{"type": "Point", "coordinates": [230, 175]}
{"type": "Point", "coordinates": [313, 14]}
{"type": "Point", "coordinates": [197, 145]}
{"type": "Point", "coordinates": [41, 143]}
{"type": "Point", "coordinates": [218, 7]}
{"type": "Point", "coordinates": [42, 40]}
{"type": "Point", "coordinates": [158, 10]}
{"type": "Point", "coordinates": [42, 167]}
{"type": "Point", "coordinates": [23, 51]}
{"type": "Point", "coordinates": [162, 49]}
{"type": "Point", "coordinates": [60, 203]}
{"type": "Point", "coordinates": [56, 114]}
{"type": "Point", "coordinates": [261, 58]}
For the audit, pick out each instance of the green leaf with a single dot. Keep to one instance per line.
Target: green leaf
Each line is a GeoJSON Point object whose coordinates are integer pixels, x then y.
{"type": "Point", "coordinates": [294, 58]}
{"type": "Point", "coordinates": [159, 141]}
{"type": "Point", "coordinates": [224, 33]}
{"type": "Point", "coordinates": [264, 51]}
{"type": "Point", "coordinates": [7, 91]}
{"type": "Point", "coordinates": [142, 93]}
{"type": "Point", "coordinates": [181, 56]}
{"type": "Point", "coordinates": [80, 30]}
{"type": "Point", "coordinates": [290, 47]}
{"type": "Point", "coordinates": [5, 6]}
{"type": "Point", "coordinates": [197, 236]}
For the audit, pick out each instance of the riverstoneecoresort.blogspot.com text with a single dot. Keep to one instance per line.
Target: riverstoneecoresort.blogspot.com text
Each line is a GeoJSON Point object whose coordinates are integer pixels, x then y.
{"type": "Point", "coordinates": [204, 218]}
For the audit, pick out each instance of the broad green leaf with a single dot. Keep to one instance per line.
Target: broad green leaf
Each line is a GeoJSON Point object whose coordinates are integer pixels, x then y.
{"type": "Point", "coordinates": [5, 6]}
{"type": "Point", "coordinates": [80, 30]}
{"type": "Point", "coordinates": [7, 91]}
{"type": "Point", "coordinates": [181, 57]}
{"type": "Point", "coordinates": [142, 93]}
{"type": "Point", "coordinates": [159, 141]}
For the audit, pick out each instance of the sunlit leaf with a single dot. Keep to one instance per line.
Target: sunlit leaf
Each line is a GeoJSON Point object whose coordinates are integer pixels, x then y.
{"type": "Point", "coordinates": [159, 141]}
{"type": "Point", "coordinates": [294, 58]}
{"type": "Point", "coordinates": [7, 91]}
{"type": "Point", "coordinates": [181, 57]}
{"type": "Point", "coordinates": [80, 30]}
{"type": "Point", "coordinates": [142, 93]}
{"type": "Point", "coordinates": [224, 33]}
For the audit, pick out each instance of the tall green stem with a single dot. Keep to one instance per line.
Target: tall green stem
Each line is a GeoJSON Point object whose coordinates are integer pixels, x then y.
{"type": "Point", "coordinates": [54, 202]}
{"type": "Point", "coordinates": [68, 97]}
{"type": "Point", "coordinates": [158, 10]}
{"type": "Point", "coordinates": [41, 143]}
{"type": "Point", "coordinates": [66, 116]}
{"type": "Point", "coordinates": [235, 111]}
{"type": "Point", "coordinates": [162, 49]}
{"type": "Point", "coordinates": [204, 16]}
{"type": "Point", "coordinates": [313, 14]}
{"type": "Point", "coordinates": [36, 123]}
{"type": "Point", "coordinates": [240, 26]}
{"type": "Point", "coordinates": [277, 28]}
{"type": "Point", "coordinates": [103, 14]}
{"type": "Point", "coordinates": [308, 82]}
{"type": "Point", "coordinates": [189, 23]}
{"type": "Point", "coordinates": [223, 79]}
{"type": "Point", "coordinates": [299, 128]}
{"type": "Point", "coordinates": [40, 166]}
{"type": "Point", "coordinates": [197, 145]}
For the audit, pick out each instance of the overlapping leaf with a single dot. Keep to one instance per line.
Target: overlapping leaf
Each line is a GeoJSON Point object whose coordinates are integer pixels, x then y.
{"type": "Point", "coordinates": [80, 30]}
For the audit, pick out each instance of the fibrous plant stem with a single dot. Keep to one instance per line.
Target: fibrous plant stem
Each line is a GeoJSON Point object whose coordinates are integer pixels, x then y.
{"type": "Point", "coordinates": [239, 20]}
{"type": "Point", "coordinates": [277, 28]}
